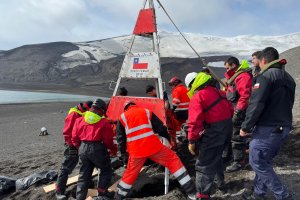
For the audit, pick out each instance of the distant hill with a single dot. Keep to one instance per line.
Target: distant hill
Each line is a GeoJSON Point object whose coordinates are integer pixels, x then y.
{"type": "Point", "coordinates": [40, 67]}
{"type": "Point", "coordinates": [88, 67]}
{"type": "Point", "coordinates": [293, 67]}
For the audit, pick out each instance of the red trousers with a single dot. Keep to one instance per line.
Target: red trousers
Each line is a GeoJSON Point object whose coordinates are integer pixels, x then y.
{"type": "Point", "coordinates": [165, 157]}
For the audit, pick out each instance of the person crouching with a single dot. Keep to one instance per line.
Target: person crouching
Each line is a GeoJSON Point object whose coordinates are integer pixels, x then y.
{"type": "Point", "coordinates": [135, 133]}
{"type": "Point", "coordinates": [93, 135]}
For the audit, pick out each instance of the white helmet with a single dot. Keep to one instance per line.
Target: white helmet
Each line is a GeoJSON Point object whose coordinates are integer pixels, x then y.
{"type": "Point", "coordinates": [189, 78]}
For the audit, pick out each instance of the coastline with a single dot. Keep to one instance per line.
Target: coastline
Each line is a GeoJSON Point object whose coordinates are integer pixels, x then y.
{"type": "Point", "coordinates": [93, 90]}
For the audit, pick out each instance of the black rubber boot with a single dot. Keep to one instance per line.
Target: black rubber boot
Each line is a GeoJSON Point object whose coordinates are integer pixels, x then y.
{"type": "Point", "coordinates": [235, 166]}
{"type": "Point", "coordinates": [60, 196]}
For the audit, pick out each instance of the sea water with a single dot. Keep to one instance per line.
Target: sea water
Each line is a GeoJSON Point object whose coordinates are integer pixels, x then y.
{"type": "Point", "coordinates": [7, 97]}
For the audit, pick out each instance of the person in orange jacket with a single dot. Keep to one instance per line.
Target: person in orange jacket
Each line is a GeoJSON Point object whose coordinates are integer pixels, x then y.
{"type": "Point", "coordinates": [180, 100]}
{"type": "Point", "coordinates": [180, 103]}
{"type": "Point", "coordinates": [93, 135]}
{"type": "Point", "coordinates": [70, 153]}
{"type": "Point", "coordinates": [136, 130]}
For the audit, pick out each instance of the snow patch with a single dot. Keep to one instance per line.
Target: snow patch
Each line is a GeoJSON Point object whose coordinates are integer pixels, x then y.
{"type": "Point", "coordinates": [173, 45]}
{"type": "Point", "coordinates": [216, 64]}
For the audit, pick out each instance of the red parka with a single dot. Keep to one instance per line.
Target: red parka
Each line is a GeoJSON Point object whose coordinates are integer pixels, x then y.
{"type": "Point", "coordinates": [243, 86]}
{"type": "Point", "coordinates": [74, 113]}
{"type": "Point", "coordinates": [92, 128]}
{"type": "Point", "coordinates": [207, 106]}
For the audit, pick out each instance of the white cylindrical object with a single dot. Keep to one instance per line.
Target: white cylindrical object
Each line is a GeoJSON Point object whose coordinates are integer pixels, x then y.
{"type": "Point", "coordinates": [167, 173]}
{"type": "Point", "coordinates": [167, 176]}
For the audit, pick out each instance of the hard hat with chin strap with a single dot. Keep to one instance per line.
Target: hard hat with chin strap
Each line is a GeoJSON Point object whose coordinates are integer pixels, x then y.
{"type": "Point", "coordinates": [190, 77]}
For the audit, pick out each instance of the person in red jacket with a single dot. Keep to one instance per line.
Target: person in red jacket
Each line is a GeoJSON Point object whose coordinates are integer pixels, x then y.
{"type": "Point", "coordinates": [136, 130]}
{"type": "Point", "coordinates": [180, 104]}
{"type": "Point", "coordinates": [93, 135]}
{"type": "Point", "coordinates": [209, 125]}
{"type": "Point", "coordinates": [70, 153]}
{"type": "Point", "coordinates": [239, 81]}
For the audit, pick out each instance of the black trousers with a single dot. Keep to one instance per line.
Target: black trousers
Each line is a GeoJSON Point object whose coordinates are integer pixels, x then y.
{"type": "Point", "coordinates": [181, 115]}
{"type": "Point", "coordinates": [208, 165]}
{"type": "Point", "coordinates": [227, 152]}
{"type": "Point", "coordinates": [93, 154]}
{"type": "Point", "coordinates": [238, 144]}
{"type": "Point", "coordinates": [68, 165]}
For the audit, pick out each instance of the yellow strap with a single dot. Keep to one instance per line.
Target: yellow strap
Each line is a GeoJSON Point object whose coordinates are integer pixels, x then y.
{"type": "Point", "coordinates": [267, 66]}
{"type": "Point", "coordinates": [244, 67]}
{"type": "Point", "coordinates": [92, 118]}
{"type": "Point", "coordinates": [75, 109]}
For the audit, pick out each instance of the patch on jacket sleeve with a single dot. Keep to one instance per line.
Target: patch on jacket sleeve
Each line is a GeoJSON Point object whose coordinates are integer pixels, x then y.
{"type": "Point", "coordinates": [256, 86]}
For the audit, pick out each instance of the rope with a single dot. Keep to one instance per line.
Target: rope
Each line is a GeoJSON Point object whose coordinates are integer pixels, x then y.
{"type": "Point", "coordinates": [214, 75]}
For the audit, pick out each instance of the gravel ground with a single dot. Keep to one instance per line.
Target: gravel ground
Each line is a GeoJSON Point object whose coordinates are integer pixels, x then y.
{"type": "Point", "coordinates": [23, 153]}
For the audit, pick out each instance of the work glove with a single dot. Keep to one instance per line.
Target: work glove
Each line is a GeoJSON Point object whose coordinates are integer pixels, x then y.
{"type": "Point", "coordinates": [192, 148]}
{"type": "Point", "coordinates": [165, 142]}
{"type": "Point", "coordinates": [72, 151]}
{"type": "Point", "coordinates": [174, 108]}
{"type": "Point", "coordinates": [238, 117]}
{"type": "Point", "coordinates": [124, 157]}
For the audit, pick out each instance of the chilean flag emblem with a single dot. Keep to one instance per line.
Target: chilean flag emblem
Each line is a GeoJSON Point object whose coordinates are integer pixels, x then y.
{"type": "Point", "coordinates": [256, 86]}
{"type": "Point", "coordinates": [138, 65]}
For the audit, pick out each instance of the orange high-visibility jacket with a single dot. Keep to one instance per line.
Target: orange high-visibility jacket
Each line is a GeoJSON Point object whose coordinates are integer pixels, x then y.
{"type": "Point", "coordinates": [141, 140]}
{"type": "Point", "coordinates": [180, 98]}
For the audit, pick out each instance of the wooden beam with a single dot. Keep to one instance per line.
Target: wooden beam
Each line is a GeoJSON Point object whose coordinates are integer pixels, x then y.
{"type": "Point", "coordinates": [70, 181]}
{"type": "Point", "coordinates": [113, 188]}
{"type": "Point", "coordinates": [94, 192]}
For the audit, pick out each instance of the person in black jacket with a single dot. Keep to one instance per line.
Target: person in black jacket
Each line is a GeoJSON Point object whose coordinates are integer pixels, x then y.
{"type": "Point", "coordinates": [269, 118]}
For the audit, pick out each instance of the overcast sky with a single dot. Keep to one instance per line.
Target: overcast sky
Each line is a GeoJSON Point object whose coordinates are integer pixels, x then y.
{"type": "Point", "coordinates": [38, 21]}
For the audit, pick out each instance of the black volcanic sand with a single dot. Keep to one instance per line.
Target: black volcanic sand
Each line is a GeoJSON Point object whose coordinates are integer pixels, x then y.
{"type": "Point", "coordinates": [23, 153]}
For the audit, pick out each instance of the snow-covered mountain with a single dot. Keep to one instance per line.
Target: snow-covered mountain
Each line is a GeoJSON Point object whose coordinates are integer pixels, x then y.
{"type": "Point", "coordinates": [92, 65]}
{"type": "Point", "coordinates": [173, 45]}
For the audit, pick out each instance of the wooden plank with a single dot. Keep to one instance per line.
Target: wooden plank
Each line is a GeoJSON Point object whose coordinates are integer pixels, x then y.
{"type": "Point", "coordinates": [70, 181]}
{"type": "Point", "coordinates": [113, 188]}
{"type": "Point", "coordinates": [92, 193]}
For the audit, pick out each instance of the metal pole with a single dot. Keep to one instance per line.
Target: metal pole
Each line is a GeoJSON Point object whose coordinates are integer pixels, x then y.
{"type": "Point", "coordinates": [167, 180]}
{"type": "Point", "coordinates": [167, 175]}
